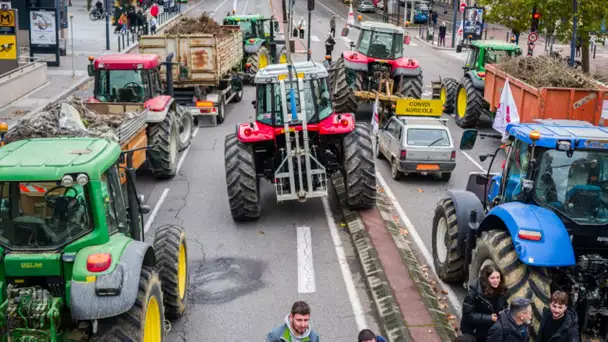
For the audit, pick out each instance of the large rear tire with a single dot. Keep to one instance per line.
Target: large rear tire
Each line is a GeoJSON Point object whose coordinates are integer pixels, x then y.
{"type": "Point", "coordinates": [496, 247]}
{"type": "Point", "coordinates": [469, 104]}
{"type": "Point", "coordinates": [449, 89]}
{"type": "Point", "coordinates": [171, 253]}
{"type": "Point", "coordinates": [360, 169]}
{"type": "Point", "coordinates": [145, 321]}
{"type": "Point", "coordinates": [165, 138]}
{"type": "Point", "coordinates": [259, 60]}
{"type": "Point", "coordinates": [344, 99]}
{"type": "Point", "coordinates": [186, 128]}
{"type": "Point", "coordinates": [448, 260]}
{"type": "Point", "coordinates": [241, 180]}
{"type": "Point", "coordinates": [410, 86]}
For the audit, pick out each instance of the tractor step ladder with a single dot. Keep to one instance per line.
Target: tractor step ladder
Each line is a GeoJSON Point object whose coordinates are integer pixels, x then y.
{"type": "Point", "coordinates": [308, 170]}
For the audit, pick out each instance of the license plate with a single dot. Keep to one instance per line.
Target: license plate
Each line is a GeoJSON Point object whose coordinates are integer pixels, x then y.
{"type": "Point", "coordinates": [427, 167]}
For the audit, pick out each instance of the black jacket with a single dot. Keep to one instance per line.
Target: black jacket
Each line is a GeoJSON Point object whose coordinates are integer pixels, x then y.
{"type": "Point", "coordinates": [568, 332]}
{"type": "Point", "coordinates": [477, 311]}
{"type": "Point", "coordinates": [505, 330]}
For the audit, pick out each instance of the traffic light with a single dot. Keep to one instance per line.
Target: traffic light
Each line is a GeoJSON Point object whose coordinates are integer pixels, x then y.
{"type": "Point", "coordinates": [311, 5]}
{"type": "Point", "coordinates": [535, 20]}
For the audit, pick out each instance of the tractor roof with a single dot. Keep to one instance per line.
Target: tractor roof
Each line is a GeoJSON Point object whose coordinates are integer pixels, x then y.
{"type": "Point", "coordinates": [381, 27]}
{"type": "Point", "coordinates": [309, 69]}
{"type": "Point", "coordinates": [49, 159]}
{"type": "Point", "coordinates": [127, 61]}
{"type": "Point", "coordinates": [495, 44]}
{"type": "Point", "coordinates": [244, 17]}
{"type": "Point", "coordinates": [577, 132]}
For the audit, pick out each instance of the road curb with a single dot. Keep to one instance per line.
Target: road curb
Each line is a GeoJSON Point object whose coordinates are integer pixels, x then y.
{"type": "Point", "coordinates": [66, 93]}
{"type": "Point", "coordinates": [391, 320]}
{"type": "Point", "coordinates": [434, 47]}
{"type": "Point", "coordinates": [443, 326]}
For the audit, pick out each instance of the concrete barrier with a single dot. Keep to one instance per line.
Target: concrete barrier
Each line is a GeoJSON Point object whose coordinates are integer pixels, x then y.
{"type": "Point", "coordinates": [22, 80]}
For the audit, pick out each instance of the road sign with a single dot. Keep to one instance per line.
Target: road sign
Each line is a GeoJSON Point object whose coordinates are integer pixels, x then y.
{"type": "Point", "coordinates": [7, 18]}
{"type": "Point", "coordinates": [532, 37]}
{"type": "Point", "coordinates": [462, 7]}
{"type": "Point", "coordinates": [415, 107]}
{"type": "Point", "coordinates": [8, 47]}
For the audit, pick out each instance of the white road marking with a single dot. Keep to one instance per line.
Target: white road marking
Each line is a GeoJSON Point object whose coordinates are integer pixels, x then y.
{"type": "Point", "coordinates": [314, 38]}
{"type": "Point", "coordinates": [428, 257]}
{"type": "Point", "coordinates": [245, 8]}
{"type": "Point", "coordinates": [474, 161]}
{"type": "Point", "coordinates": [306, 269]}
{"type": "Point", "coordinates": [219, 6]}
{"type": "Point", "coordinates": [162, 198]}
{"type": "Point", "coordinates": [195, 132]}
{"type": "Point", "coordinates": [353, 296]}
{"type": "Point", "coordinates": [183, 157]}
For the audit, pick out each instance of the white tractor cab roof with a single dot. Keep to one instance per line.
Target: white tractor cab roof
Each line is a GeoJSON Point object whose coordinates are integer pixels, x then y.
{"type": "Point", "coordinates": [275, 72]}
{"type": "Point", "coordinates": [381, 27]}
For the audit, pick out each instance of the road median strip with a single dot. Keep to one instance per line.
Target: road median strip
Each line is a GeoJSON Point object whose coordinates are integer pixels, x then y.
{"type": "Point", "coordinates": [400, 292]}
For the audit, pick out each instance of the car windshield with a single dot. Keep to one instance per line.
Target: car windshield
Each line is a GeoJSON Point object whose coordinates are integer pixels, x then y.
{"type": "Point", "coordinates": [427, 137]}
{"type": "Point", "coordinates": [576, 186]}
{"type": "Point", "coordinates": [42, 215]}
{"type": "Point", "coordinates": [381, 44]}
{"type": "Point", "coordinates": [317, 101]}
{"type": "Point", "coordinates": [496, 56]}
{"type": "Point", "coordinates": [121, 86]}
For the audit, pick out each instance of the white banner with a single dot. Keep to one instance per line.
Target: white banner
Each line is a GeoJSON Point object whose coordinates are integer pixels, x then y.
{"type": "Point", "coordinates": [506, 112]}
{"type": "Point", "coordinates": [351, 16]}
{"type": "Point", "coordinates": [375, 118]}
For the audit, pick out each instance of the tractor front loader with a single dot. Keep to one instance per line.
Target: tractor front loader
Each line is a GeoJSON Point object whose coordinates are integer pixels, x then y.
{"type": "Point", "coordinates": [75, 265]}
{"type": "Point", "coordinates": [296, 143]}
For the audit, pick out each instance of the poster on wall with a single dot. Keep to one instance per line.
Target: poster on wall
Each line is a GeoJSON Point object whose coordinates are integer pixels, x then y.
{"type": "Point", "coordinates": [8, 47]}
{"type": "Point", "coordinates": [473, 22]}
{"type": "Point", "coordinates": [43, 30]}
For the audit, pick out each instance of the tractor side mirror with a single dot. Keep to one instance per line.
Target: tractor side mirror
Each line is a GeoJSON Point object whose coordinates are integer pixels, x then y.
{"type": "Point", "coordinates": [467, 141]}
{"type": "Point", "coordinates": [90, 70]}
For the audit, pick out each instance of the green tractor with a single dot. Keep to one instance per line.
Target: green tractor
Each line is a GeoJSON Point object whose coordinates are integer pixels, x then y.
{"type": "Point", "coordinates": [259, 43]}
{"type": "Point", "coordinates": [466, 98]}
{"type": "Point", "coordinates": [75, 266]}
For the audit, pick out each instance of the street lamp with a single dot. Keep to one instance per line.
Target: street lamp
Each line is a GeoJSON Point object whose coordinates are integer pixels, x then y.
{"type": "Point", "coordinates": [72, 38]}
{"type": "Point", "coordinates": [573, 42]}
{"type": "Point", "coordinates": [107, 25]}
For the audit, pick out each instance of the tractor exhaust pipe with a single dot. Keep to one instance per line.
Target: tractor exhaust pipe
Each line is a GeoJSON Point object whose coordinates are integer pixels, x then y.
{"type": "Point", "coordinates": [169, 65]}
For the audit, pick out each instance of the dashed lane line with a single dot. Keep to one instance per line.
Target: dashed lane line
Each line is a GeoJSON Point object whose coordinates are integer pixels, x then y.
{"type": "Point", "coordinates": [306, 270]}
{"type": "Point", "coordinates": [162, 198]}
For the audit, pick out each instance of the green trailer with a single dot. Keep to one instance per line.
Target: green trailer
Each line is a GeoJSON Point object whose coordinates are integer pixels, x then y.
{"type": "Point", "coordinates": [75, 265]}
{"type": "Point", "coordinates": [260, 43]}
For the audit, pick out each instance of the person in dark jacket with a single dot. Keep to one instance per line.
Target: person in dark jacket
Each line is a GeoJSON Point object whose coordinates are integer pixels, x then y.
{"type": "Point", "coordinates": [486, 298]}
{"type": "Point", "coordinates": [512, 324]}
{"type": "Point", "coordinates": [558, 322]}
{"type": "Point", "coordinates": [367, 335]}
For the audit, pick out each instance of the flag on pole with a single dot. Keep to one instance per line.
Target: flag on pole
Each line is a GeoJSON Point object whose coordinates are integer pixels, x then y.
{"type": "Point", "coordinates": [375, 117]}
{"type": "Point", "coordinates": [351, 16]}
{"type": "Point", "coordinates": [507, 111]}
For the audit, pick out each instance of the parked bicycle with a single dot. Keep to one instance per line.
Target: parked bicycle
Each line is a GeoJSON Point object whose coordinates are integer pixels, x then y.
{"type": "Point", "coordinates": [96, 14]}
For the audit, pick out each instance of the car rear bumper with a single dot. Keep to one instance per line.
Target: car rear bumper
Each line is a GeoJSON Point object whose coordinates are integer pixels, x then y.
{"type": "Point", "coordinates": [427, 166]}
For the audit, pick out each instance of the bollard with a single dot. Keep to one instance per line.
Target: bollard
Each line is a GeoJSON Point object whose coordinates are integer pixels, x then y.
{"type": "Point", "coordinates": [594, 50]}
{"type": "Point", "coordinates": [123, 41]}
{"type": "Point", "coordinates": [128, 42]}
{"type": "Point", "coordinates": [507, 37]}
{"type": "Point", "coordinates": [118, 43]}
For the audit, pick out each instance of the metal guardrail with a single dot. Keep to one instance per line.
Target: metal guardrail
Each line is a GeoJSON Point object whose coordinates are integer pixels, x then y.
{"type": "Point", "coordinates": [31, 61]}
{"type": "Point", "coordinates": [129, 38]}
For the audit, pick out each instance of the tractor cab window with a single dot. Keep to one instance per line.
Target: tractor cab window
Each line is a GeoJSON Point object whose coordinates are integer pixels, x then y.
{"type": "Point", "coordinates": [155, 88]}
{"type": "Point", "coordinates": [380, 44]}
{"type": "Point", "coordinates": [113, 200]}
{"type": "Point", "coordinates": [576, 186]}
{"type": "Point", "coordinates": [122, 86]}
{"type": "Point", "coordinates": [495, 56]}
{"type": "Point", "coordinates": [249, 28]}
{"type": "Point", "coordinates": [471, 61]}
{"type": "Point", "coordinates": [519, 158]}
{"type": "Point", "coordinates": [43, 215]}
{"type": "Point", "coordinates": [316, 95]}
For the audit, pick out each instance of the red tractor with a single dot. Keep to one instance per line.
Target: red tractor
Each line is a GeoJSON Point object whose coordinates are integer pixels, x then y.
{"type": "Point", "coordinates": [296, 143]}
{"type": "Point", "coordinates": [376, 64]}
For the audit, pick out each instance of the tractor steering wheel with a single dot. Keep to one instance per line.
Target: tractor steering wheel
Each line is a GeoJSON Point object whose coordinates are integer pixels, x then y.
{"type": "Point", "coordinates": [51, 200]}
{"type": "Point", "coordinates": [135, 86]}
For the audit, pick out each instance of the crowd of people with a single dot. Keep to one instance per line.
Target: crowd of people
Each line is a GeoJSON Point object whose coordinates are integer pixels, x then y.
{"type": "Point", "coordinates": [133, 17]}
{"type": "Point", "coordinates": [486, 316]}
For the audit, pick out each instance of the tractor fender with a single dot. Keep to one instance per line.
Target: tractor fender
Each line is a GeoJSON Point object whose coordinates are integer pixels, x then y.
{"type": "Point", "coordinates": [158, 108]}
{"type": "Point", "coordinates": [477, 83]}
{"type": "Point", "coordinates": [464, 203]}
{"type": "Point", "coordinates": [86, 304]}
{"type": "Point", "coordinates": [251, 48]}
{"type": "Point", "coordinates": [407, 71]}
{"type": "Point", "coordinates": [554, 248]}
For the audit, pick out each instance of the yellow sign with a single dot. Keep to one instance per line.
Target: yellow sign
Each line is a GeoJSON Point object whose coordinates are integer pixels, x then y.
{"type": "Point", "coordinates": [8, 47]}
{"type": "Point", "coordinates": [416, 107]}
{"type": "Point", "coordinates": [7, 18]}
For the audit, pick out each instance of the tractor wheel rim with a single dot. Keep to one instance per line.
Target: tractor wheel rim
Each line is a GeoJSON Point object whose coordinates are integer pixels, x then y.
{"type": "Point", "coordinates": [443, 96]}
{"type": "Point", "coordinates": [462, 102]}
{"type": "Point", "coordinates": [181, 271]}
{"type": "Point", "coordinates": [440, 240]}
{"type": "Point", "coordinates": [283, 59]}
{"type": "Point", "coordinates": [153, 323]}
{"type": "Point", "coordinates": [262, 61]}
{"type": "Point", "coordinates": [185, 129]}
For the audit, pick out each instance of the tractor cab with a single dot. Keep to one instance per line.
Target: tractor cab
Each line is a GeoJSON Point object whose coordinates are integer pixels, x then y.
{"type": "Point", "coordinates": [253, 25]}
{"type": "Point", "coordinates": [126, 78]}
{"type": "Point", "coordinates": [380, 40]}
{"type": "Point", "coordinates": [484, 52]}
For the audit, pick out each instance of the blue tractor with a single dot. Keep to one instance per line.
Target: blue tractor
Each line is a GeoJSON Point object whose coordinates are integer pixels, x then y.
{"type": "Point", "coordinates": [543, 220]}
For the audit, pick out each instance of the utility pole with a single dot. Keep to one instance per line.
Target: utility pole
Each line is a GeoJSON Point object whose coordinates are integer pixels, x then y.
{"type": "Point", "coordinates": [107, 24]}
{"type": "Point", "coordinates": [455, 5]}
{"type": "Point", "coordinates": [284, 11]}
{"type": "Point", "coordinates": [573, 42]}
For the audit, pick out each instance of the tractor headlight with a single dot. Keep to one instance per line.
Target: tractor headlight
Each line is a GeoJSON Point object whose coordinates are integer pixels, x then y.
{"type": "Point", "coordinates": [82, 179]}
{"type": "Point", "coordinates": [67, 181]}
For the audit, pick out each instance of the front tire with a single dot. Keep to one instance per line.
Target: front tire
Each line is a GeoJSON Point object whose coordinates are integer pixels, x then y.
{"type": "Point", "coordinates": [449, 261]}
{"type": "Point", "coordinates": [469, 104]}
{"type": "Point", "coordinates": [449, 89]}
{"type": "Point", "coordinates": [360, 169]}
{"type": "Point", "coordinates": [171, 253]}
{"type": "Point", "coordinates": [165, 137]}
{"type": "Point", "coordinates": [496, 247]}
{"type": "Point", "coordinates": [344, 99]}
{"type": "Point", "coordinates": [241, 180]}
{"type": "Point", "coordinates": [145, 320]}
{"type": "Point", "coordinates": [186, 129]}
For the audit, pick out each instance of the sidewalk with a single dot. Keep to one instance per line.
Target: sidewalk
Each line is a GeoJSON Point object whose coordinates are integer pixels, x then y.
{"type": "Point", "coordinates": [89, 40]}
